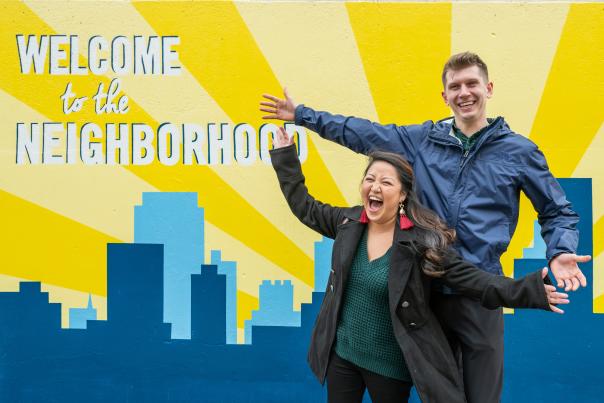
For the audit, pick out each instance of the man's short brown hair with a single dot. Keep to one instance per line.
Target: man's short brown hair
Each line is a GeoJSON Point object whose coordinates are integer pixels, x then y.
{"type": "Point", "coordinates": [463, 60]}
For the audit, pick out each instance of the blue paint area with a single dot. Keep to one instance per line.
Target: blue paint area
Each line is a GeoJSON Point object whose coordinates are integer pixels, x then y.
{"type": "Point", "coordinates": [557, 358]}
{"type": "Point", "coordinates": [79, 316]}
{"type": "Point", "coordinates": [276, 307]}
{"type": "Point", "coordinates": [131, 357]}
{"type": "Point", "coordinates": [229, 269]}
{"type": "Point", "coordinates": [537, 251]}
{"type": "Point", "coordinates": [174, 220]}
{"type": "Point", "coordinates": [322, 262]}
{"type": "Point", "coordinates": [208, 306]}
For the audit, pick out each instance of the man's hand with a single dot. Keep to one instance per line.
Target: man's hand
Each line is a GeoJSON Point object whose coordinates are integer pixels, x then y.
{"type": "Point", "coordinates": [282, 109]}
{"type": "Point", "coordinates": [554, 297]}
{"type": "Point", "coordinates": [567, 273]}
{"type": "Point", "coordinates": [282, 139]}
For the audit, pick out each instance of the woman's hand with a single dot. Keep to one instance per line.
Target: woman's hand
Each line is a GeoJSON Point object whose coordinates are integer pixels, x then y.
{"type": "Point", "coordinates": [554, 297]}
{"type": "Point", "coordinates": [282, 109]}
{"type": "Point", "coordinates": [282, 139]}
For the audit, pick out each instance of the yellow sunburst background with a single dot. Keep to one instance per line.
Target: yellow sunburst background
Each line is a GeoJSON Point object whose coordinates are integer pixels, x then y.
{"type": "Point", "coordinates": [376, 60]}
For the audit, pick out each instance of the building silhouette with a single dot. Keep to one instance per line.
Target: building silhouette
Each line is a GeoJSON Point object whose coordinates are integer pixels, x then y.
{"type": "Point", "coordinates": [174, 220]}
{"type": "Point", "coordinates": [229, 269]}
{"type": "Point", "coordinates": [276, 307]}
{"type": "Point", "coordinates": [79, 316]}
{"type": "Point", "coordinates": [132, 357]}
{"type": "Point", "coordinates": [208, 306]}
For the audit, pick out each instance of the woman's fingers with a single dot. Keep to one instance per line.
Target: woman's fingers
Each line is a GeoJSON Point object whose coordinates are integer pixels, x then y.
{"type": "Point", "coordinates": [556, 298]}
{"type": "Point", "coordinates": [556, 309]}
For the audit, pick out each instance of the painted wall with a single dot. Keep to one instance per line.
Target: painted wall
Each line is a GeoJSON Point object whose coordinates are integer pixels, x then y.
{"type": "Point", "coordinates": [126, 125]}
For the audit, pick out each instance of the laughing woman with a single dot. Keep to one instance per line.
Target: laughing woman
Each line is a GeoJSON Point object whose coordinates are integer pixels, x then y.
{"type": "Point", "coordinates": [375, 329]}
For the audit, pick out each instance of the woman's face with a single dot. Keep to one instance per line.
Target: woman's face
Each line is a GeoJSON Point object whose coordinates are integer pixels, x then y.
{"type": "Point", "coordinates": [381, 192]}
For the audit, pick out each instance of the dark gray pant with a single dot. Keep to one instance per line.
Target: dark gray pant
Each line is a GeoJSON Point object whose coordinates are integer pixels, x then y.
{"type": "Point", "coordinates": [476, 338]}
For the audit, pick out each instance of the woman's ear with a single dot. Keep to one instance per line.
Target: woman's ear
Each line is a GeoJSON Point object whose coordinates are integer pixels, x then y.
{"type": "Point", "coordinates": [403, 197]}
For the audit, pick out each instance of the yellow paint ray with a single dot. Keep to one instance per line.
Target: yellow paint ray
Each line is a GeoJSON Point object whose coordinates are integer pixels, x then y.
{"type": "Point", "coordinates": [82, 193]}
{"type": "Point", "coordinates": [591, 166]}
{"type": "Point", "coordinates": [218, 49]}
{"type": "Point", "coordinates": [245, 305]}
{"type": "Point", "coordinates": [321, 75]}
{"type": "Point", "coordinates": [252, 268]}
{"type": "Point", "coordinates": [403, 47]}
{"type": "Point", "coordinates": [517, 41]}
{"type": "Point", "coordinates": [25, 88]}
{"type": "Point", "coordinates": [598, 288]}
{"type": "Point", "coordinates": [522, 238]}
{"type": "Point", "coordinates": [43, 246]}
{"type": "Point", "coordinates": [182, 100]}
{"type": "Point", "coordinates": [66, 297]}
{"type": "Point", "coordinates": [570, 112]}
{"type": "Point", "coordinates": [598, 265]}
{"type": "Point", "coordinates": [599, 237]}
{"type": "Point", "coordinates": [599, 304]}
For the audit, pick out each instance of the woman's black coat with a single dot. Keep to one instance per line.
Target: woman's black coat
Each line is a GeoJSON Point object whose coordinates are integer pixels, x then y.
{"type": "Point", "coordinates": [417, 330]}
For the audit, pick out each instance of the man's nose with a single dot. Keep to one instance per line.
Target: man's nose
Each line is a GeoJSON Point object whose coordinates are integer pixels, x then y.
{"type": "Point", "coordinates": [464, 91]}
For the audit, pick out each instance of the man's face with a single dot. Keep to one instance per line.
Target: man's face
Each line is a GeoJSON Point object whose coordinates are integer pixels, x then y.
{"type": "Point", "coordinates": [466, 93]}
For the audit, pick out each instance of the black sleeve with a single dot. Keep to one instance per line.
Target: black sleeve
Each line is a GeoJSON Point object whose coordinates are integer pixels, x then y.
{"type": "Point", "coordinates": [318, 216]}
{"type": "Point", "coordinates": [495, 291]}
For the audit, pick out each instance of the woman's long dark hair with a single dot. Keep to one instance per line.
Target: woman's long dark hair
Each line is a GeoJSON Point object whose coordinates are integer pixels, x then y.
{"type": "Point", "coordinates": [436, 237]}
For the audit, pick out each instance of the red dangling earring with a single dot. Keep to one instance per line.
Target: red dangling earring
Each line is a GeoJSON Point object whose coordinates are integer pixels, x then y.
{"type": "Point", "coordinates": [364, 219]}
{"type": "Point", "coordinates": [405, 223]}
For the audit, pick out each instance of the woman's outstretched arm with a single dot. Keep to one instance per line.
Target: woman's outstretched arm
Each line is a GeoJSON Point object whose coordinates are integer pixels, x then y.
{"type": "Point", "coordinates": [318, 216]}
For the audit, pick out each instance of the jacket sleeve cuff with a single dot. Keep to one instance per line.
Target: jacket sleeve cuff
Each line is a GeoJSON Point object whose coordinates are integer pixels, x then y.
{"type": "Point", "coordinates": [298, 115]}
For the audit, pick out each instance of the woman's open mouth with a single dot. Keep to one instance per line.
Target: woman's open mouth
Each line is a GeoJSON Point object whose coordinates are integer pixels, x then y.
{"type": "Point", "coordinates": [375, 204]}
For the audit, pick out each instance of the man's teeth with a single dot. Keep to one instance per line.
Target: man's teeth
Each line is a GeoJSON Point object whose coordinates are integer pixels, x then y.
{"type": "Point", "coordinates": [466, 104]}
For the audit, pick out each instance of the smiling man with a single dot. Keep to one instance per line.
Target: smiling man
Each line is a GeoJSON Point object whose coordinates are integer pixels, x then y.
{"type": "Point", "coordinates": [470, 170]}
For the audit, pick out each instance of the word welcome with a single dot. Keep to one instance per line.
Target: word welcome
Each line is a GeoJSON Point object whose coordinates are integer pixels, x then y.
{"type": "Point", "coordinates": [122, 55]}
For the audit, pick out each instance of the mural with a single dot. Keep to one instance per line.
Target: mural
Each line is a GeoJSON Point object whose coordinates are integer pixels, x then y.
{"type": "Point", "coordinates": [148, 253]}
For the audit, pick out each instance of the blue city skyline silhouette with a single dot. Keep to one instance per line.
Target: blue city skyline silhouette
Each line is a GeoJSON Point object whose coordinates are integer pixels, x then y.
{"type": "Point", "coordinates": [170, 333]}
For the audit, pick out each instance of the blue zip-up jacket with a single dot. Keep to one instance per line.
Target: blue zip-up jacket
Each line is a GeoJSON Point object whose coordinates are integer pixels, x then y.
{"type": "Point", "coordinates": [476, 192]}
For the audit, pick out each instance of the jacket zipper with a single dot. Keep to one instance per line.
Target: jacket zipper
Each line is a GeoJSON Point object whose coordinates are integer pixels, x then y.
{"type": "Point", "coordinates": [463, 158]}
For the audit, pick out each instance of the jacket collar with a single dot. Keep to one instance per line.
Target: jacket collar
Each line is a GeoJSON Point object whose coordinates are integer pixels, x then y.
{"type": "Point", "coordinates": [442, 131]}
{"type": "Point", "coordinates": [400, 236]}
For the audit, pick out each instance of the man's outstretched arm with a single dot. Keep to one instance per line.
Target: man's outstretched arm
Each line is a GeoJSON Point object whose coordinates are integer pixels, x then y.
{"type": "Point", "coordinates": [558, 222]}
{"type": "Point", "coordinates": [360, 135]}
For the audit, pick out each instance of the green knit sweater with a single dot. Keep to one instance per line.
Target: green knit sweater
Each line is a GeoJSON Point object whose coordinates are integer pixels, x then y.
{"type": "Point", "coordinates": [365, 336]}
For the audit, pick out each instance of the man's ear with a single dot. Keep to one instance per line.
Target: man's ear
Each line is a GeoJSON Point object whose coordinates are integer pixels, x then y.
{"type": "Point", "coordinates": [444, 98]}
{"type": "Point", "coordinates": [489, 89]}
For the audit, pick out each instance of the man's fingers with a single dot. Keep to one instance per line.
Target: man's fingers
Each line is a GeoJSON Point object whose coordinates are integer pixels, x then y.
{"type": "Point", "coordinates": [270, 117]}
{"type": "Point", "coordinates": [544, 272]}
{"type": "Point", "coordinates": [285, 93]}
{"type": "Point", "coordinates": [269, 110]}
{"type": "Point", "coordinates": [583, 258]}
{"type": "Point", "coordinates": [582, 279]}
{"type": "Point", "coordinates": [271, 104]}
{"type": "Point", "coordinates": [568, 285]}
{"type": "Point", "coordinates": [575, 282]}
{"type": "Point", "coordinates": [271, 97]}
